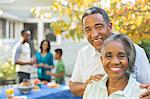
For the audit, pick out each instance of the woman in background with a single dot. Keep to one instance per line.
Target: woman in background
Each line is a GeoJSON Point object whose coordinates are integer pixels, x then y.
{"type": "Point", "coordinates": [44, 61]}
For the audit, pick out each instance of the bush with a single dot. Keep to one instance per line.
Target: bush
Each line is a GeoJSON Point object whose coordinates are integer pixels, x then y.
{"type": "Point", "coordinates": [7, 71]}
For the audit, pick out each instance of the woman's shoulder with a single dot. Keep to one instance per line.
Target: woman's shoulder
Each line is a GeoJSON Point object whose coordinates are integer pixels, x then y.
{"type": "Point", "coordinates": [133, 88]}
{"type": "Point", "coordinates": [93, 90]}
{"type": "Point", "coordinates": [95, 85]}
{"type": "Point", "coordinates": [137, 90]}
{"type": "Point", "coordinates": [38, 53]}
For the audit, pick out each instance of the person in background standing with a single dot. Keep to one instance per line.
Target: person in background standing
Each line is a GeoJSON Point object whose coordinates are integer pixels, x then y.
{"type": "Point", "coordinates": [60, 68]}
{"type": "Point", "coordinates": [44, 61]}
{"type": "Point", "coordinates": [22, 56]}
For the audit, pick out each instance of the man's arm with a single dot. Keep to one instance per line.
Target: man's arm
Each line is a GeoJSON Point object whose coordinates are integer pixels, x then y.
{"type": "Point", "coordinates": [23, 63]}
{"type": "Point", "coordinates": [77, 88]}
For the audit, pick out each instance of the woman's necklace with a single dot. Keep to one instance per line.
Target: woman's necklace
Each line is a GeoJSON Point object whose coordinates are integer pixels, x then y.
{"type": "Point", "coordinates": [121, 87]}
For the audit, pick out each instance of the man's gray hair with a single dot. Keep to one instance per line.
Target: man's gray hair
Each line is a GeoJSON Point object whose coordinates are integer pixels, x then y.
{"type": "Point", "coordinates": [96, 10]}
{"type": "Point", "coordinates": [128, 46]}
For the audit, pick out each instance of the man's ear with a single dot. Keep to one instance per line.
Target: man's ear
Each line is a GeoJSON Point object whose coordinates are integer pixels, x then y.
{"type": "Point", "coordinates": [110, 26]}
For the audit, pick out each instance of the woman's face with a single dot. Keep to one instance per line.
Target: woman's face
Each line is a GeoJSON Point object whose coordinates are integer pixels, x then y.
{"type": "Point", "coordinates": [45, 45]}
{"type": "Point", "coordinates": [114, 59]}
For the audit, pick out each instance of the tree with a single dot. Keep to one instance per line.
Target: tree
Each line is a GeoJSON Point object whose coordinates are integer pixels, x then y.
{"type": "Point", "coordinates": [131, 18]}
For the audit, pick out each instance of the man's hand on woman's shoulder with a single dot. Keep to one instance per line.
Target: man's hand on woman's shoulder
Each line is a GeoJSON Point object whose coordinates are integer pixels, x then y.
{"type": "Point", "coordinates": [96, 77]}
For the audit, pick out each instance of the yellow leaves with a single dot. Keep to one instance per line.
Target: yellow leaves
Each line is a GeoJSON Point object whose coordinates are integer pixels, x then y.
{"type": "Point", "coordinates": [128, 18]}
{"type": "Point", "coordinates": [57, 31]}
{"type": "Point", "coordinates": [59, 27]}
{"type": "Point", "coordinates": [68, 11]}
{"type": "Point", "coordinates": [56, 6]}
{"type": "Point", "coordinates": [82, 3]}
{"type": "Point", "coordinates": [147, 36]}
{"type": "Point", "coordinates": [67, 36]}
{"type": "Point", "coordinates": [143, 2]}
{"type": "Point", "coordinates": [133, 27]}
{"type": "Point", "coordinates": [88, 2]}
{"type": "Point", "coordinates": [133, 16]}
{"type": "Point", "coordinates": [139, 20]}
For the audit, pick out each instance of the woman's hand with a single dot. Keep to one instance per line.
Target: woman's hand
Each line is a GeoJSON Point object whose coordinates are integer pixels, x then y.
{"type": "Point", "coordinates": [39, 65]}
{"type": "Point", "coordinates": [146, 94]}
{"type": "Point", "coordinates": [49, 73]}
{"type": "Point", "coordinates": [45, 66]}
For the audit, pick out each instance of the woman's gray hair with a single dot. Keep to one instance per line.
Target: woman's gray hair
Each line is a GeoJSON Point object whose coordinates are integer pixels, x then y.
{"type": "Point", "coordinates": [128, 46]}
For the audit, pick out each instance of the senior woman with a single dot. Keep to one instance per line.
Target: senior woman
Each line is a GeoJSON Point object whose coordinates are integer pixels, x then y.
{"type": "Point", "coordinates": [118, 57]}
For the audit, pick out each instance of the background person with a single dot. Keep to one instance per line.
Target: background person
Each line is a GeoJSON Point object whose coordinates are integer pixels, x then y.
{"type": "Point", "coordinates": [44, 61]}
{"type": "Point", "coordinates": [60, 68]}
{"type": "Point", "coordinates": [22, 56]}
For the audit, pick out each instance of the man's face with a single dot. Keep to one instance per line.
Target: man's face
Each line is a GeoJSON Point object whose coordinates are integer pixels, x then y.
{"type": "Point", "coordinates": [26, 36]}
{"type": "Point", "coordinates": [96, 30]}
{"type": "Point", "coordinates": [57, 56]}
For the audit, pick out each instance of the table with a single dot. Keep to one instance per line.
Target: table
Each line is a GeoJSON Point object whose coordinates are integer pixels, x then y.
{"type": "Point", "coordinates": [45, 93]}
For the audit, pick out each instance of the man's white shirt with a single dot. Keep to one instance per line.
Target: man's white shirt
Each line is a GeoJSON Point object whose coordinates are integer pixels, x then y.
{"type": "Point", "coordinates": [142, 66]}
{"type": "Point", "coordinates": [22, 52]}
{"type": "Point", "coordinates": [88, 63]}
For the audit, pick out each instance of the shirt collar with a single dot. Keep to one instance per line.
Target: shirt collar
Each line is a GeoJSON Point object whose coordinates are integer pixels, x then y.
{"type": "Point", "coordinates": [103, 82]}
{"type": "Point", "coordinates": [125, 92]}
{"type": "Point", "coordinates": [128, 86]}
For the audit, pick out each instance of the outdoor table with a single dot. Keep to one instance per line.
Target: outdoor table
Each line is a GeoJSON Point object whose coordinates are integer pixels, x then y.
{"type": "Point", "coordinates": [44, 93]}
